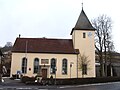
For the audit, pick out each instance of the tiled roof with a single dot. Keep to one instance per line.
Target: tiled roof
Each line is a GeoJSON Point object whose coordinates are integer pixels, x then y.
{"type": "Point", "coordinates": [83, 23]}
{"type": "Point", "coordinates": [44, 45]}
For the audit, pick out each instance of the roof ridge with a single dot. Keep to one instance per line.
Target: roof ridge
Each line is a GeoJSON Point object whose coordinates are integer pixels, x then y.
{"type": "Point", "coordinates": [45, 38]}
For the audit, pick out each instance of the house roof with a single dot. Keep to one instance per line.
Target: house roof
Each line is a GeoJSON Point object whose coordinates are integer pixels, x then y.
{"type": "Point", "coordinates": [83, 23]}
{"type": "Point", "coordinates": [44, 45]}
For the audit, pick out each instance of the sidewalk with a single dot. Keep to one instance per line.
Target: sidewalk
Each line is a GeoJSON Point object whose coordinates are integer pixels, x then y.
{"type": "Point", "coordinates": [17, 85]}
{"type": "Point", "coordinates": [9, 82]}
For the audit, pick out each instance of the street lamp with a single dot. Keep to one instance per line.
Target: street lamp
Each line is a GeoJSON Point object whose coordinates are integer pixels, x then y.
{"type": "Point", "coordinates": [71, 67]}
{"type": "Point", "coordinates": [55, 74]}
{"type": "Point", "coordinates": [1, 55]}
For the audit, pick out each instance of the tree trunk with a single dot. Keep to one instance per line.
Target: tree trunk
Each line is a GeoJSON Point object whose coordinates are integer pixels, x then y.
{"type": "Point", "coordinates": [105, 62]}
{"type": "Point", "coordinates": [102, 72]}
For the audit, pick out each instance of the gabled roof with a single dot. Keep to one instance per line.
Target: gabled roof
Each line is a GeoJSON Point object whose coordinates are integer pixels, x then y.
{"type": "Point", "coordinates": [44, 45]}
{"type": "Point", "coordinates": [83, 23]}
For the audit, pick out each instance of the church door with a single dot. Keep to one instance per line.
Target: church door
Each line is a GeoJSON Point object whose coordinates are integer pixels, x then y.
{"type": "Point", "coordinates": [44, 73]}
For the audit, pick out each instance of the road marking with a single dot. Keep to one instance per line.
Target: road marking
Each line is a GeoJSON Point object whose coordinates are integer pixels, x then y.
{"type": "Point", "coordinates": [30, 89]}
{"type": "Point", "coordinates": [21, 88]}
{"type": "Point", "coordinates": [24, 88]}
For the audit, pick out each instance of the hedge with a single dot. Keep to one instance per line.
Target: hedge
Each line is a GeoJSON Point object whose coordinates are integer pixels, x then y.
{"type": "Point", "coordinates": [78, 81]}
{"type": "Point", "coordinates": [70, 81]}
{"type": "Point", "coordinates": [26, 79]}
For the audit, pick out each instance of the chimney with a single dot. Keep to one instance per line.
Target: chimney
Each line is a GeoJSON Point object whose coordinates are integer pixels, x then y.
{"type": "Point", "coordinates": [19, 35]}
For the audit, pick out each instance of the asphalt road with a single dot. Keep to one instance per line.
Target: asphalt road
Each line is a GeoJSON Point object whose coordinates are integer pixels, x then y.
{"type": "Point", "coordinates": [16, 85]}
{"type": "Point", "coordinates": [100, 86]}
{"type": "Point", "coordinates": [103, 86]}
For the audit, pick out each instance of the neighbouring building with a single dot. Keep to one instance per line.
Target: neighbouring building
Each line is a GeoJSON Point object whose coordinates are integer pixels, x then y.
{"type": "Point", "coordinates": [57, 57]}
{"type": "Point", "coordinates": [112, 62]}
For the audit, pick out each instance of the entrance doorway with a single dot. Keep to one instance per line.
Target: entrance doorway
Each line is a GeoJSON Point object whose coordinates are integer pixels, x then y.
{"type": "Point", "coordinates": [44, 73]}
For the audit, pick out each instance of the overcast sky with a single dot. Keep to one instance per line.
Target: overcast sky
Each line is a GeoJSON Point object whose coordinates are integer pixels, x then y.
{"type": "Point", "coordinates": [52, 18]}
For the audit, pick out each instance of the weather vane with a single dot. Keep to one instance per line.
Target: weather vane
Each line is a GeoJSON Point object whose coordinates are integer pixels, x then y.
{"type": "Point", "coordinates": [82, 5]}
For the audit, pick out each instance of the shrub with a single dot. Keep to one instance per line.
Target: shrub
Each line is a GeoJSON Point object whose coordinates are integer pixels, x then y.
{"type": "Point", "coordinates": [69, 81]}
{"type": "Point", "coordinates": [26, 79]}
{"type": "Point", "coordinates": [15, 76]}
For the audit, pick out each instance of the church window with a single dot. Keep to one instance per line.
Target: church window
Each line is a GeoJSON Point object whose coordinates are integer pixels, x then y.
{"type": "Point", "coordinates": [53, 66]}
{"type": "Point", "coordinates": [36, 65]}
{"type": "Point", "coordinates": [84, 35]}
{"type": "Point", "coordinates": [24, 65]}
{"type": "Point", "coordinates": [64, 66]}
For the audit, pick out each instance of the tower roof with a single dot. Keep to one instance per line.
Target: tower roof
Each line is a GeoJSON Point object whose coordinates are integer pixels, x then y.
{"type": "Point", "coordinates": [83, 23]}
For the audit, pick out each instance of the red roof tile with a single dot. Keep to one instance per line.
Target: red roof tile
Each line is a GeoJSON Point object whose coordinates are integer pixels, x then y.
{"type": "Point", "coordinates": [44, 45]}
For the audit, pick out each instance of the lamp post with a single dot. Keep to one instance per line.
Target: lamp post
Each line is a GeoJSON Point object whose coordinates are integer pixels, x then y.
{"type": "Point", "coordinates": [55, 74]}
{"type": "Point", "coordinates": [1, 55]}
{"type": "Point", "coordinates": [71, 67]}
{"type": "Point", "coordinates": [0, 68]}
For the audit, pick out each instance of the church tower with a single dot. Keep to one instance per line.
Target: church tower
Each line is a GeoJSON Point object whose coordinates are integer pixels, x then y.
{"type": "Point", "coordinates": [83, 39]}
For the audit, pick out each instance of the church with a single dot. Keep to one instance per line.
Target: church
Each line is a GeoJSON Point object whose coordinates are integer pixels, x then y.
{"type": "Point", "coordinates": [61, 58]}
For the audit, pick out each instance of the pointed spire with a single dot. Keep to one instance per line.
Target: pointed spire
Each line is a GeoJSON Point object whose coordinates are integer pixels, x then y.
{"type": "Point", "coordinates": [83, 22]}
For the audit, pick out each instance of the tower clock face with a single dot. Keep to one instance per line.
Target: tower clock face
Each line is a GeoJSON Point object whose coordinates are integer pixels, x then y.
{"type": "Point", "coordinates": [89, 34]}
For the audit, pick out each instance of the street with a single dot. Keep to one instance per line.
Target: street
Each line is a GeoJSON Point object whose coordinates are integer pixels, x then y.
{"type": "Point", "coordinates": [20, 86]}
{"type": "Point", "coordinates": [102, 86]}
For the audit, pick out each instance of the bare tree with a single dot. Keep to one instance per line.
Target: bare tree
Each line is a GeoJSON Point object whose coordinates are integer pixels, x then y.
{"type": "Point", "coordinates": [8, 44]}
{"type": "Point", "coordinates": [83, 64]}
{"type": "Point", "coordinates": [103, 25]}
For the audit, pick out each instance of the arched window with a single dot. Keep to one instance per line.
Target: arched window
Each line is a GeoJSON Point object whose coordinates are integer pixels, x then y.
{"type": "Point", "coordinates": [36, 65]}
{"type": "Point", "coordinates": [24, 65]}
{"type": "Point", "coordinates": [64, 66]}
{"type": "Point", "coordinates": [53, 66]}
